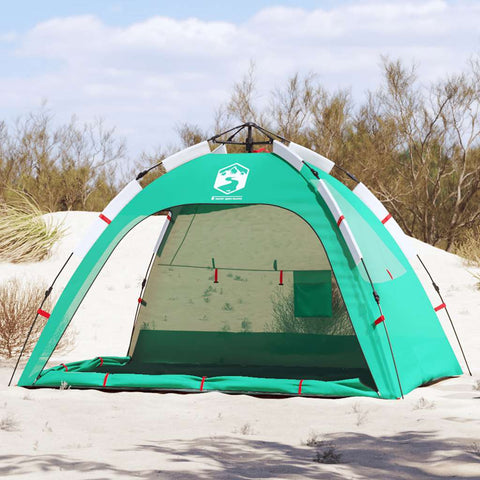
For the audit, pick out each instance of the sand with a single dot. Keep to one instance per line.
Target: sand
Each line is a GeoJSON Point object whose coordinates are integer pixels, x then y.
{"type": "Point", "coordinates": [433, 433]}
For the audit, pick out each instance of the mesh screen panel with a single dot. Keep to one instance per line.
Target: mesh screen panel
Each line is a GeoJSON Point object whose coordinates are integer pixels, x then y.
{"type": "Point", "coordinates": [276, 310]}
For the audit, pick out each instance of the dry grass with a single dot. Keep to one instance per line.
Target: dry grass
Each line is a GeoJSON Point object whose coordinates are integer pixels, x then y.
{"type": "Point", "coordinates": [19, 302]}
{"type": "Point", "coordinates": [25, 235]}
{"type": "Point", "coordinates": [469, 248]}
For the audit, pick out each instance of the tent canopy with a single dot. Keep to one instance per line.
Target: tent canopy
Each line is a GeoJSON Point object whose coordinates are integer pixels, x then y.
{"type": "Point", "coordinates": [257, 285]}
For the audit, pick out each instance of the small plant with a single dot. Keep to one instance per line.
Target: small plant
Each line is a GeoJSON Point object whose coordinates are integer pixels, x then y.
{"type": "Point", "coordinates": [238, 278]}
{"type": "Point", "coordinates": [245, 429]}
{"type": "Point", "coordinates": [361, 414]}
{"type": "Point", "coordinates": [475, 449]}
{"type": "Point", "coordinates": [246, 325]}
{"type": "Point", "coordinates": [19, 302]}
{"type": "Point", "coordinates": [25, 235]}
{"type": "Point", "coordinates": [313, 440]}
{"type": "Point", "coordinates": [227, 307]}
{"type": "Point", "coordinates": [64, 385]}
{"type": "Point", "coordinates": [328, 454]}
{"type": "Point", "coordinates": [225, 326]}
{"type": "Point", "coordinates": [9, 423]}
{"type": "Point", "coordinates": [423, 404]}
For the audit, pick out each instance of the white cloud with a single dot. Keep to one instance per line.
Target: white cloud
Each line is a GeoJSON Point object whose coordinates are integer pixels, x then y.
{"type": "Point", "coordinates": [148, 76]}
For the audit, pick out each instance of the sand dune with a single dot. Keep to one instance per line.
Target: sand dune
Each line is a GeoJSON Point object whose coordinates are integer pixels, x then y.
{"type": "Point", "coordinates": [434, 433]}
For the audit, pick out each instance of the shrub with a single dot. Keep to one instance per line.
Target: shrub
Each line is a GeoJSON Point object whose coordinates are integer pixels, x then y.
{"type": "Point", "coordinates": [25, 235]}
{"type": "Point", "coordinates": [469, 247]}
{"type": "Point", "coordinates": [19, 302]}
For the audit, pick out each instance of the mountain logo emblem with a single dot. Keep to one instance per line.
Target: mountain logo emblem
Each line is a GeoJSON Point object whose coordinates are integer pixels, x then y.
{"type": "Point", "coordinates": [231, 179]}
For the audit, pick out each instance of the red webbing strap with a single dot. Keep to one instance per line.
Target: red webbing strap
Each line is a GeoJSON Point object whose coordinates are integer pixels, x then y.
{"type": "Point", "coordinates": [341, 218]}
{"type": "Point", "coordinates": [259, 150]}
{"type": "Point", "coordinates": [104, 218]}
{"type": "Point", "coordinates": [280, 282]}
{"type": "Point", "coordinates": [300, 387]}
{"type": "Point", "coordinates": [440, 307]}
{"type": "Point", "coordinates": [64, 366]}
{"type": "Point", "coordinates": [216, 276]}
{"type": "Point", "coordinates": [101, 361]}
{"type": "Point", "coordinates": [387, 218]}
{"type": "Point", "coordinates": [388, 271]}
{"type": "Point", "coordinates": [379, 320]}
{"type": "Point", "coordinates": [105, 379]}
{"type": "Point", "coordinates": [169, 216]}
{"type": "Point", "coordinates": [43, 313]}
{"type": "Point", "coordinates": [201, 385]}
{"type": "Point", "coordinates": [140, 299]}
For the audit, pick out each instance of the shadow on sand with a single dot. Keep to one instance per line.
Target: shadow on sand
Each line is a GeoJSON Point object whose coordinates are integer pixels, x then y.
{"type": "Point", "coordinates": [407, 455]}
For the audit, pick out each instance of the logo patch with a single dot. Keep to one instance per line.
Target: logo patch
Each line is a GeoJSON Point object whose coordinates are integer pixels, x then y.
{"type": "Point", "coordinates": [231, 179]}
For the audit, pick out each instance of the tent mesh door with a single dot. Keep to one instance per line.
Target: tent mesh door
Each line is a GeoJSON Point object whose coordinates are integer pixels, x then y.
{"type": "Point", "coordinates": [275, 310]}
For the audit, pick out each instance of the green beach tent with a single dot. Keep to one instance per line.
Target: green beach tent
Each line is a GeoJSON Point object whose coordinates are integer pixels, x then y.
{"type": "Point", "coordinates": [269, 276]}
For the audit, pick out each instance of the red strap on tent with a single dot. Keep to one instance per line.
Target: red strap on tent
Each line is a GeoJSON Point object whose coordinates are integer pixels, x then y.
{"type": "Point", "coordinates": [43, 313]}
{"type": "Point", "coordinates": [169, 216]}
{"type": "Point", "coordinates": [104, 218]}
{"type": "Point", "coordinates": [140, 299]}
{"type": "Point", "coordinates": [387, 218]}
{"type": "Point", "coordinates": [440, 307]}
{"type": "Point", "coordinates": [101, 361]}
{"type": "Point", "coordinates": [300, 387]}
{"type": "Point", "coordinates": [64, 366]}
{"type": "Point", "coordinates": [216, 276]}
{"type": "Point", "coordinates": [260, 150]}
{"type": "Point", "coordinates": [201, 385]}
{"type": "Point", "coordinates": [280, 282]}
{"type": "Point", "coordinates": [341, 218]}
{"type": "Point", "coordinates": [388, 271]}
{"type": "Point", "coordinates": [379, 320]}
{"type": "Point", "coordinates": [105, 379]}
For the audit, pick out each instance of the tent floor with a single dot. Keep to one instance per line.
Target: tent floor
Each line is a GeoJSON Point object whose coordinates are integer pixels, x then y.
{"type": "Point", "coordinates": [115, 373]}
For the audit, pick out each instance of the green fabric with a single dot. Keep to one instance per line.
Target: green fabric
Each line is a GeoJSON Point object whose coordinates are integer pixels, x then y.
{"type": "Point", "coordinates": [312, 292]}
{"type": "Point", "coordinates": [83, 375]}
{"type": "Point", "coordinates": [420, 346]}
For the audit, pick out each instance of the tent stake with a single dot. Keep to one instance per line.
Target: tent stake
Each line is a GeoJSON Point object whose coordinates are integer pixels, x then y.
{"type": "Point", "coordinates": [377, 299]}
{"type": "Point", "coordinates": [47, 293]}
{"type": "Point", "coordinates": [437, 289]}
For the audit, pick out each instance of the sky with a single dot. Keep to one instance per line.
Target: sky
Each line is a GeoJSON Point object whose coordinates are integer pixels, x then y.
{"type": "Point", "coordinates": [147, 66]}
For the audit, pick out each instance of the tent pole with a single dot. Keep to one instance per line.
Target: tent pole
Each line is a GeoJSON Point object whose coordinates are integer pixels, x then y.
{"type": "Point", "coordinates": [47, 293]}
{"type": "Point", "coordinates": [377, 299]}
{"type": "Point", "coordinates": [437, 289]}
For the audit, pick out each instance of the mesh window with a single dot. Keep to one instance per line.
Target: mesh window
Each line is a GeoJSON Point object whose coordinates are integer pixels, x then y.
{"type": "Point", "coordinates": [276, 310]}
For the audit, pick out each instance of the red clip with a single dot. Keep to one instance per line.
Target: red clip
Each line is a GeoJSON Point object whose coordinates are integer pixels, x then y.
{"type": "Point", "coordinates": [380, 319]}
{"type": "Point", "coordinates": [140, 299]}
{"type": "Point", "coordinates": [387, 218]}
{"type": "Point", "coordinates": [341, 218]}
{"type": "Point", "coordinates": [169, 216]}
{"type": "Point", "coordinates": [43, 313]}
{"type": "Point", "coordinates": [300, 387]}
{"type": "Point", "coordinates": [64, 366]}
{"type": "Point", "coordinates": [104, 218]}
{"type": "Point", "coordinates": [105, 379]}
{"type": "Point", "coordinates": [440, 307]}
{"type": "Point", "coordinates": [281, 278]}
{"type": "Point", "coordinates": [201, 385]}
